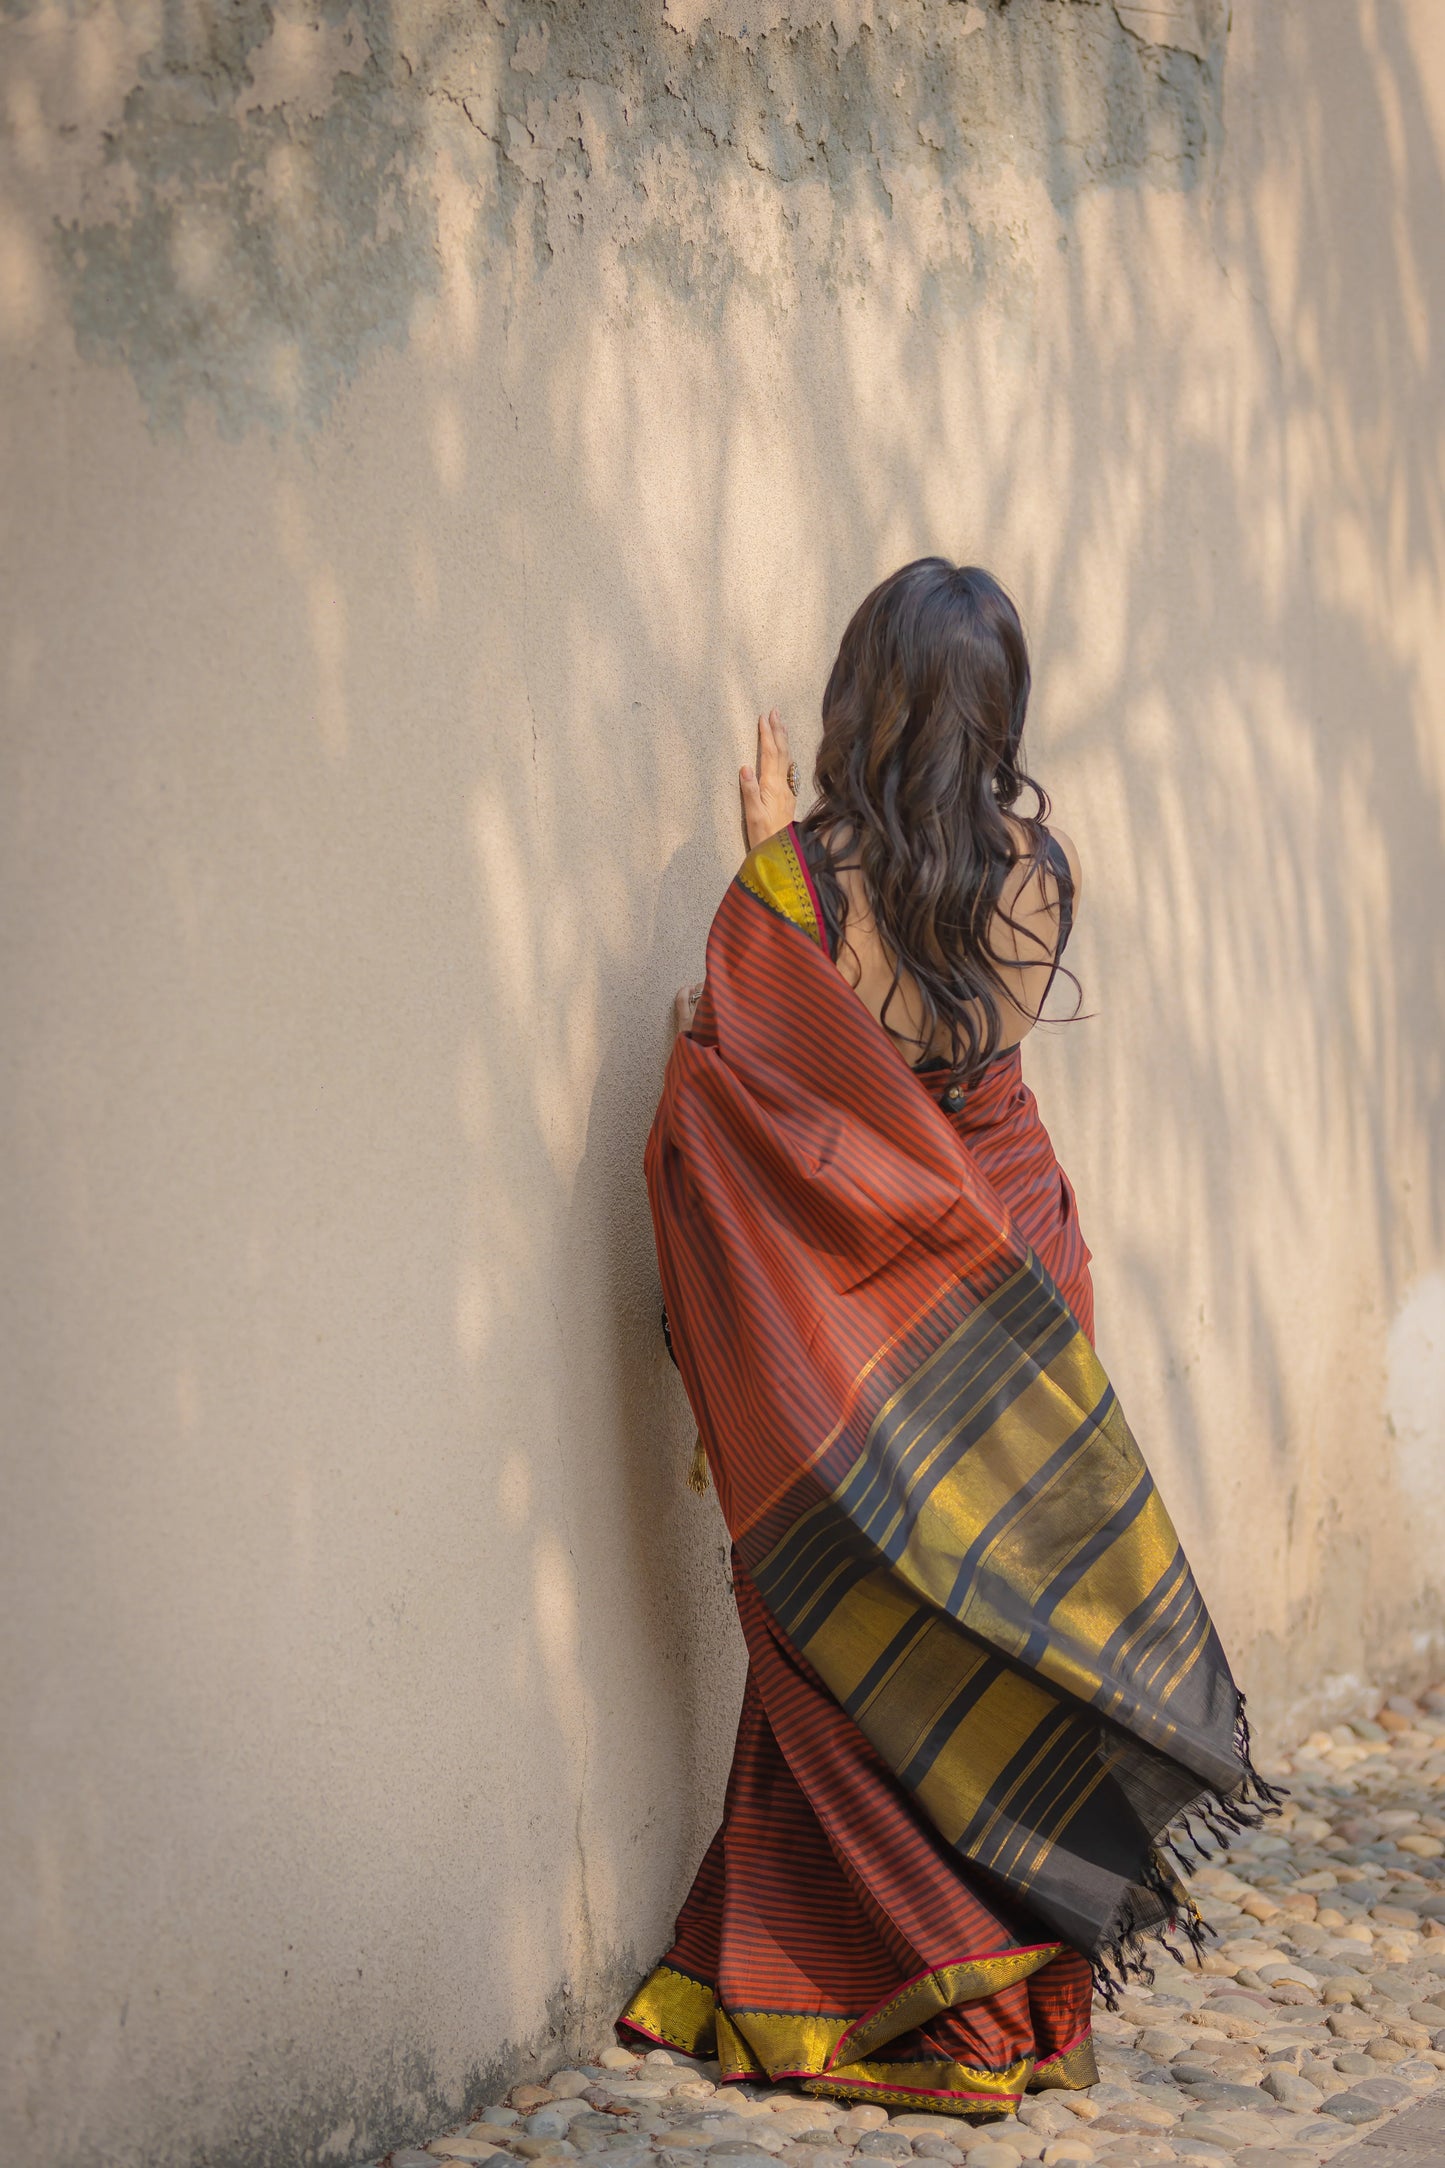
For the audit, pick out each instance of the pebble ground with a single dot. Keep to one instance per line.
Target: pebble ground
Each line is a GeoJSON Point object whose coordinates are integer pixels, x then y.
{"type": "Point", "coordinates": [1316, 2020]}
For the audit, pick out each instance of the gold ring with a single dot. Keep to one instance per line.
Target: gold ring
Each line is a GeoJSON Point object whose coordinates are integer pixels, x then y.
{"type": "Point", "coordinates": [793, 777]}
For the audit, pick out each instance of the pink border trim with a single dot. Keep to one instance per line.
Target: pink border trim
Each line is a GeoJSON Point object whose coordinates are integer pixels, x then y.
{"type": "Point", "coordinates": [792, 835]}
{"type": "Point", "coordinates": [663, 2041]}
{"type": "Point", "coordinates": [877, 2085]}
{"type": "Point", "coordinates": [914, 2092]}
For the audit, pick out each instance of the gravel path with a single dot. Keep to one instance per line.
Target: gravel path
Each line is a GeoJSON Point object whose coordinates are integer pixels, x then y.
{"type": "Point", "coordinates": [1317, 2020]}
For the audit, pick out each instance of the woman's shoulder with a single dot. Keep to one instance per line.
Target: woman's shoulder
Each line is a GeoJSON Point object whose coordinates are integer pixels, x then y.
{"type": "Point", "coordinates": [1065, 848]}
{"type": "Point", "coordinates": [1043, 883]}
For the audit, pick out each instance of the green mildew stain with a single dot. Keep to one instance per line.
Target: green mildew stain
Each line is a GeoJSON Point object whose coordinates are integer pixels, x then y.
{"type": "Point", "coordinates": [264, 253]}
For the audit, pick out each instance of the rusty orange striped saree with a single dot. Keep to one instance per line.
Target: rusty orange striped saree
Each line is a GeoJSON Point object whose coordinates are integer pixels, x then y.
{"type": "Point", "coordinates": [983, 1693]}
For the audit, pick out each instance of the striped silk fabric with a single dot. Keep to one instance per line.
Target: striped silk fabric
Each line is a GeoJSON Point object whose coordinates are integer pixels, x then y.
{"type": "Point", "coordinates": [982, 1682]}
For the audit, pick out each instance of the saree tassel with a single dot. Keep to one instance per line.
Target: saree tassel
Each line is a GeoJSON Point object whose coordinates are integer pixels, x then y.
{"type": "Point", "coordinates": [1266, 1798]}
{"type": "Point", "coordinates": [1126, 1959]}
{"type": "Point", "coordinates": [697, 1473]}
{"type": "Point", "coordinates": [1127, 1954]}
{"type": "Point", "coordinates": [1190, 1922]}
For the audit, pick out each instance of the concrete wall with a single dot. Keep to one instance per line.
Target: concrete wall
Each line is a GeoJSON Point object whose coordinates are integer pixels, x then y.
{"type": "Point", "coordinates": [430, 431]}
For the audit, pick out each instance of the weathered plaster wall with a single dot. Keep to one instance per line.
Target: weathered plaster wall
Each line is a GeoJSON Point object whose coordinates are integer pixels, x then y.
{"type": "Point", "coordinates": [428, 433]}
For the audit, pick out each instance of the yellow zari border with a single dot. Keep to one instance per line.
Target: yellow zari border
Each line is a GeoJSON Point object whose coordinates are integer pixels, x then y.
{"type": "Point", "coordinates": [774, 874]}
{"type": "Point", "coordinates": [1074, 2071]}
{"type": "Point", "coordinates": [672, 2007]}
{"type": "Point", "coordinates": [942, 1990]}
{"type": "Point", "coordinates": [675, 2008]}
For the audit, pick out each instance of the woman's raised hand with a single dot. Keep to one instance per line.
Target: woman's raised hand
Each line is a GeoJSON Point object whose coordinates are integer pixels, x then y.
{"type": "Point", "coordinates": [770, 789]}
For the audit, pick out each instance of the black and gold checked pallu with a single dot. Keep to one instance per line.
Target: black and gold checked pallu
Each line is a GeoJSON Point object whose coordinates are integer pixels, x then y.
{"type": "Point", "coordinates": [982, 1683]}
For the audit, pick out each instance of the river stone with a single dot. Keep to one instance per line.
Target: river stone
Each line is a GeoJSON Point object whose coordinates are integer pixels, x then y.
{"type": "Point", "coordinates": [1137, 2116]}
{"type": "Point", "coordinates": [1291, 2090]}
{"type": "Point", "coordinates": [1350, 2108]}
{"type": "Point", "coordinates": [884, 2145]}
{"type": "Point", "coordinates": [993, 2153]}
{"type": "Point", "coordinates": [1223, 2093]}
{"type": "Point", "coordinates": [1352, 2025]}
{"type": "Point", "coordinates": [1208, 2130]}
{"type": "Point", "coordinates": [1046, 2114]}
{"type": "Point", "coordinates": [1389, 2092]}
{"type": "Point", "coordinates": [1154, 2040]}
{"type": "Point", "coordinates": [1410, 2035]}
{"type": "Point", "coordinates": [1125, 2063]}
{"type": "Point", "coordinates": [929, 2126]}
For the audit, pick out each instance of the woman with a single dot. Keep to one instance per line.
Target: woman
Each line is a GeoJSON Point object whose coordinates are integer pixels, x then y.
{"type": "Point", "coordinates": [984, 1694]}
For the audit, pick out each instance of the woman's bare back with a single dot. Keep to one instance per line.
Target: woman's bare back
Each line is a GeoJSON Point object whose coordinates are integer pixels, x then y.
{"type": "Point", "coordinates": [1029, 948]}
{"type": "Point", "coordinates": [1026, 950]}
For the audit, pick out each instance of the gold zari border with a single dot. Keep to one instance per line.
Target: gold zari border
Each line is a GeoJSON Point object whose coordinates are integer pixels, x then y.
{"type": "Point", "coordinates": [938, 1991]}
{"type": "Point", "coordinates": [1074, 2071]}
{"type": "Point", "coordinates": [952, 2088]}
{"type": "Point", "coordinates": [774, 874]}
{"type": "Point", "coordinates": [675, 2008]}
{"type": "Point", "coordinates": [684, 2013]}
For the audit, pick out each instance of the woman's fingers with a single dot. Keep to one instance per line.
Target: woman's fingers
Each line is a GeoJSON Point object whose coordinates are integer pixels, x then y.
{"type": "Point", "coordinates": [772, 751]}
{"type": "Point", "coordinates": [684, 1007]}
{"type": "Point", "coordinates": [768, 800]}
{"type": "Point", "coordinates": [755, 809]}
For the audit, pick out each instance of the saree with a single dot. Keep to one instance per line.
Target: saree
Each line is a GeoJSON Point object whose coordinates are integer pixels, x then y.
{"type": "Point", "coordinates": [986, 1710]}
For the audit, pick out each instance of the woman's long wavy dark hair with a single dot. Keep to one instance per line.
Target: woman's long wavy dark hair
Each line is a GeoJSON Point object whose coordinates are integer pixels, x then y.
{"type": "Point", "coordinates": [921, 758]}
